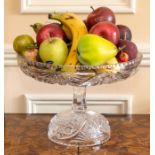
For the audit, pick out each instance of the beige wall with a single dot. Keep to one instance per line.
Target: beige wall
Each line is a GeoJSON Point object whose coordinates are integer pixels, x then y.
{"type": "Point", "coordinates": [17, 84]}
{"type": "Point", "coordinates": [16, 23]}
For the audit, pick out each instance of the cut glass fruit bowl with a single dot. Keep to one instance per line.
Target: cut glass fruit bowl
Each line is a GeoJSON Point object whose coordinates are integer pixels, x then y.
{"type": "Point", "coordinates": [79, 126]}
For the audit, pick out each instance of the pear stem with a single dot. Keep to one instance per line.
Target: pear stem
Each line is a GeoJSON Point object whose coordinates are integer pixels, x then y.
{"type": "Point", "coordinates": [32, 46]}
{"type": "Point", "coordinates": [32, 26]}
{"type": "Point", "coordinates": [121, 48]}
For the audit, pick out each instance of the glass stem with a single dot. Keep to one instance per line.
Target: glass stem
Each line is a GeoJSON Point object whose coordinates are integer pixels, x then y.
{"type": "Point", "coordinates": [79, 99]}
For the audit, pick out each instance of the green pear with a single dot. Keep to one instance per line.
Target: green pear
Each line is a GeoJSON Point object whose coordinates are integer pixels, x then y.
{"type": "Point", "coordinates": [95, 50]}
{"type": "Point", "coordinates": [112, 61]}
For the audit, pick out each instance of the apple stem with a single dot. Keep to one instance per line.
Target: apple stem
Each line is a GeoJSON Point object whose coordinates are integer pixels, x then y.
{"type": "Point", "coordinates": [92, 8]}
{"type": "Point", "coordinates": [50, 40]}
{"type": "Point", "coordinates": [49, 16]}
{"type": "Point", "coordinates": [125, 37]}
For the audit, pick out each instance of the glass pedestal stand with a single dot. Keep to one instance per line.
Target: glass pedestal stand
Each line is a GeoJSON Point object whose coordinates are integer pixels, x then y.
{"type": "Point", "coordinates": [78, 126]}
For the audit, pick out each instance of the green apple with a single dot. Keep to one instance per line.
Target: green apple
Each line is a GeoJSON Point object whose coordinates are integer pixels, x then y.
{"type": "Point", "coordinates": [53, 49]}
{"type": "Point", "coordinates": [95, 50]}
{"type": "Point", "coordinates": [22, 43]}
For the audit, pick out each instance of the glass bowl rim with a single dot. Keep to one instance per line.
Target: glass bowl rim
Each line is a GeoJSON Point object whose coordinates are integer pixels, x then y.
{"type": "Point", "coordinates": [36, 63]}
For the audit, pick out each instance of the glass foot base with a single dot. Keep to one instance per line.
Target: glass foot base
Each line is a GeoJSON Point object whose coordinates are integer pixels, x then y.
{"type": "Point", "coordinates": [79, 129]}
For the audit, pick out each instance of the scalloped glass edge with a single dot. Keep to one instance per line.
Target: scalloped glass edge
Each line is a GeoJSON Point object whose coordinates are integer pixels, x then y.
{"type": "Point", "coordinates": [79, 67]}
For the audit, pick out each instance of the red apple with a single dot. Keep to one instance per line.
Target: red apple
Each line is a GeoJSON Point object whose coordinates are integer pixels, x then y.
{"type": "Point", "coordinates": [100, 14]}
{"type": "Point", "coordinates": [48, 31]}
{"type": "Point", "coordinates": [85, 22]}
{"type": "Point", "coordinates": [106, 30]}
{"type": "Point", "coordinates": [125, 32]}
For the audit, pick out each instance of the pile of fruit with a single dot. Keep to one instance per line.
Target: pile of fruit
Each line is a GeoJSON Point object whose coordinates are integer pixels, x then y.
{"type": "Point", "coordinates": [73, 41]}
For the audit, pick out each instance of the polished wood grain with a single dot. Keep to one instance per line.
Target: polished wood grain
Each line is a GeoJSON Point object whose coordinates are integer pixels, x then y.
{"type": "Point", "coordinates": [27, 135]}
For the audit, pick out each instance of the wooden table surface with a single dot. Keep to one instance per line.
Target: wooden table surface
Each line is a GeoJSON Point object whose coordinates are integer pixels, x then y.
{"type": "Point", "coordinates": [27, 135]}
